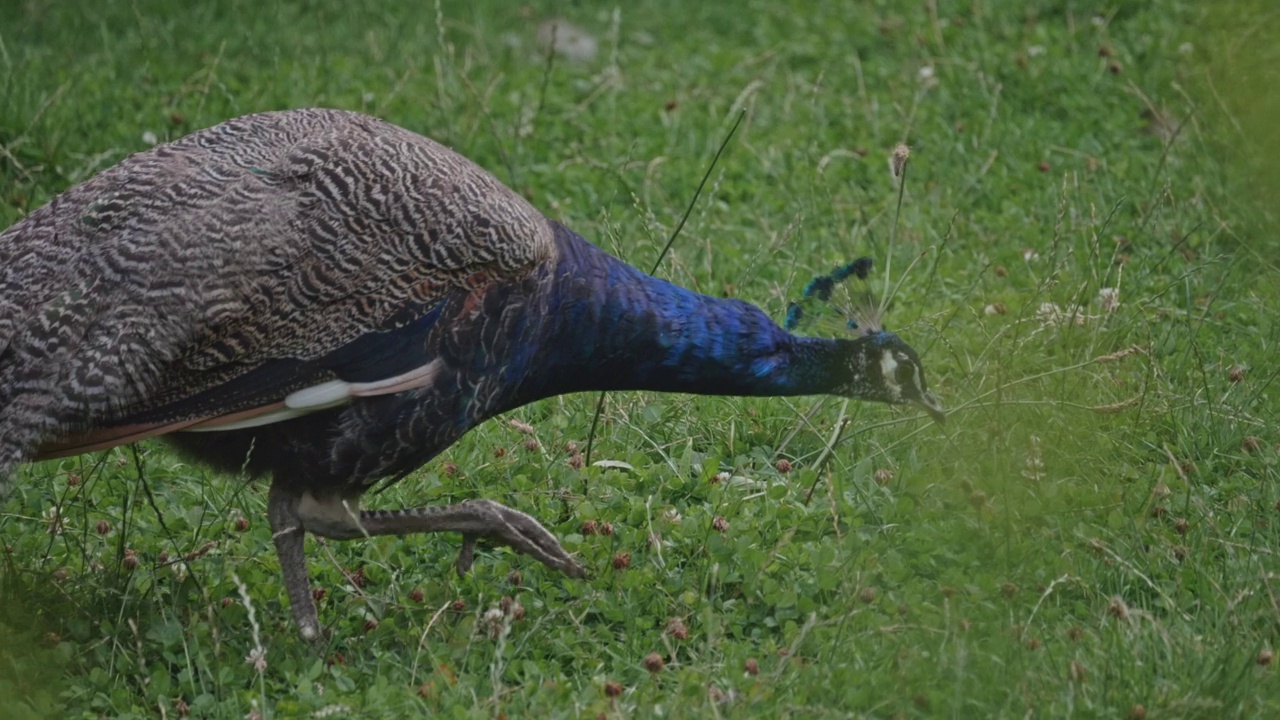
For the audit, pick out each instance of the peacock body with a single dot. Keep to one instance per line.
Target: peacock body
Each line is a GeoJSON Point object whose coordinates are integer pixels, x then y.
{"type": "Point", "coordinates": [332, 300]}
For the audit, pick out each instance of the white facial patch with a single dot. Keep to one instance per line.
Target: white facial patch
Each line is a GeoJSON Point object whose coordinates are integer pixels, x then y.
{"type": "Point", "coordinates": [888, 365]}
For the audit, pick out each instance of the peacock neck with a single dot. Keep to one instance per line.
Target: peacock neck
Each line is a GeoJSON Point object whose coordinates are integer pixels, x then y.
{"type": "Point", "coordinates": [612, 327]}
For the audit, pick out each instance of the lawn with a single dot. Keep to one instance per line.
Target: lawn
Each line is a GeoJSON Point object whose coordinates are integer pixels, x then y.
{"type": "Point", "coordinates": [1084, 251]}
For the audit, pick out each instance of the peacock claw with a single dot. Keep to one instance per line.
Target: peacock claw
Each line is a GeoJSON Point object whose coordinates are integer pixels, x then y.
{"type": "Point", "coordinates": [521, 533]}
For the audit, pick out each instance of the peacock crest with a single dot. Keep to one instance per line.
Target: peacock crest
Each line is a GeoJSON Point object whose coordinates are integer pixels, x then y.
{"type": "Point", "coordinates": [830, 301]}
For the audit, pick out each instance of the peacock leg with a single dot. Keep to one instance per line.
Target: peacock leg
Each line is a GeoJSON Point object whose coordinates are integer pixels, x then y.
{"type": "Point", "coordinates": [474, 519]}
{"type": "Point", "coordinates": [287, 532]}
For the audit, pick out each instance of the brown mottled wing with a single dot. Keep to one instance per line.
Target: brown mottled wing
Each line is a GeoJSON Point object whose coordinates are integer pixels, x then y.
{"type": "Point", "coordinates": [280, 235]}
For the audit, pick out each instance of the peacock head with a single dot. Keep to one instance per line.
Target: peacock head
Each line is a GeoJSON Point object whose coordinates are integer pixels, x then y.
{"type": "Point", "coordinates": [883, 368]}
{"type": "Point", "coordinates": [877, 365]}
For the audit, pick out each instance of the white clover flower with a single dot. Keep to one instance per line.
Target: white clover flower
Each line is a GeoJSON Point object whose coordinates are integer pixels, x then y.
{"type": "Point", "coordinates": [1109, 299]}
{"type": "Point", "coordinates": [257, 657]}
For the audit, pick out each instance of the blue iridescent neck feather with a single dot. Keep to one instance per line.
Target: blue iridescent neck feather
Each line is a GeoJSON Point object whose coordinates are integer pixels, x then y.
{"type": "Point", "coordinates": [613, 327]}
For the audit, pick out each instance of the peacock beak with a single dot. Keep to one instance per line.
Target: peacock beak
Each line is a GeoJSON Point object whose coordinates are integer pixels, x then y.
{"type": "Point", "coordinates": [933, 406]}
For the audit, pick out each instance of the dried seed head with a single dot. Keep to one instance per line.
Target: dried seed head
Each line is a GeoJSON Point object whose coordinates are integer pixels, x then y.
{"type": "Point", "coordinates": [227, 602]}
{"type": "Point", "coordinates": [576, 460]}
{"type": "Point", "coordinates": [514, 579]}
{"type": "Point", "coordinates": [103, 527]}
{"type": "Point", "coordinates": [676, 629]}
{"type": "Point", "coordinates": [517, 611]}
{"type": "Point", "coordinates": [612, 688]}
{"type": "Point", "coordinates": [1236, 373]}
{"type": "Point", "coordinates": [1118, 608]}
{"type": "Point", "coordinates": [1076, 672]}
{"type": "Point", "coordinates": [370, 625]}
{"type": "Point", "coordinates": [590, 527]}
{"type": "Point", "coordinates": [606, 529]}
{"type": "Point", "coordinates": [505, 603]}
{"type": "Point", "coordinates": [995, 308]}
{"type": "Point", "coordinates": [1159, 511]}
{"type": "Point", "coordinates": [130, 561]}
{"type": "Point", "coordinates": [867, 594]}
{"type": "Point", "coordinates": [1033, 644]}
{"type": "Point", "coordinates": [654, 663]}
{"type": "Point", "coordinates": [1138, 712]}
{"type": "Point", "coordinates": [521, 426]}
{"type": "Point", "coordinates": [883, 476]}
{"type": "Point", "coordinates": [783, 466]}
{"type": "Point", "coordinates": [752, 666]}
{"type": "Point", "coordinates": [358, 578]}
{"type": "Point", "coordinates": [1265, 656]}
{"type": "Point", "coordinates": [1114, 67]}
{"type": "Point", "coordinates": [1181, 526]}
{"type": "Point", "coordinates": [318, 594]}
{"type": "Point", "coordinates": [1044, 166]}
{"type": "Point", "coordinates": [531, 444]}
{"type": "Point", "coordinates": [622, 561]}
{"type": "Point", "coordinates": [450, 469]}
{"type": "Point", "coordinates": [1001, 271]}
{"type": "Point", "coordinates": [459, 605]}
{"type": "Point", "coordinates": [61, 574]}
{"type": "Point", "coordinates": [719, 524]}
{"type": "Point", "coordinates": [720, 477]}
{"type": "Point", "coordinates": [1251, 444]}
{"type": "Point", "coordinates": [242, 524]}
{"type": "Point", "coordinates": [417, 595]}
{"type": "Point", "coordinates": [1075, 633]}
{"type": "Point", "coordinates": [948, 592]}
{"type": "Point", "coordinates": [1009, 589]}
{"type": "Point", "coordinates": [499, 452]}
{"type": "Point", "coordinates": [181, 707]}
{"type": "Point", "coordinates": [1180, 552]}
{"type": "Point", "coordinates": [898, 161]}
{"type": "Point", "coordinates": [73, 480]}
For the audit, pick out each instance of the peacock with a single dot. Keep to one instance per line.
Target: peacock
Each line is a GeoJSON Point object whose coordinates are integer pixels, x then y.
{"type": "Point", "coordinates": [330, 300]}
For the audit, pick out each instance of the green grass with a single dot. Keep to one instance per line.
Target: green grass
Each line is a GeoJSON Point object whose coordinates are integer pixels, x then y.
{"type": "Point", "coordinates": [1085, 536]}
